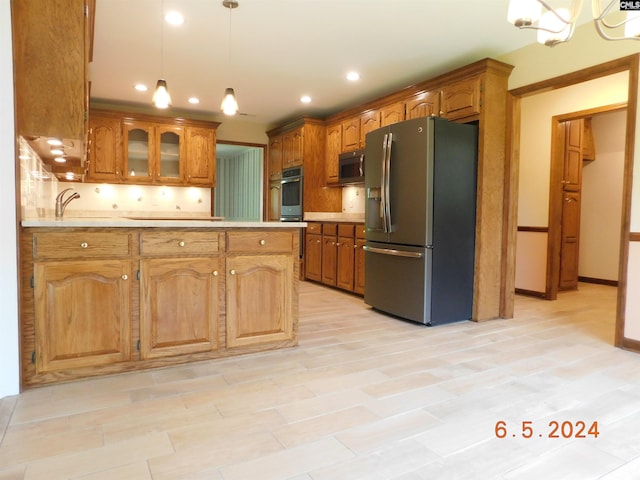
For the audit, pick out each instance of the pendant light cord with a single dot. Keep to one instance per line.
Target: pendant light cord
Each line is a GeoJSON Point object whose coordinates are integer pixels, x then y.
{"type": "Point", "coordinates": [161, 39]}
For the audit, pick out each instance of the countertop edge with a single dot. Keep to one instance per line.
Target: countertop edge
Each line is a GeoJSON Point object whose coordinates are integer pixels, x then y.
{"type": "Point", "coordinates": [128, 223]}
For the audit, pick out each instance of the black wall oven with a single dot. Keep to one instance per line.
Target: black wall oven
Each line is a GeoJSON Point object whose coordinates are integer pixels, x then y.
{"type": "Point", "coordinates": [291, 195]}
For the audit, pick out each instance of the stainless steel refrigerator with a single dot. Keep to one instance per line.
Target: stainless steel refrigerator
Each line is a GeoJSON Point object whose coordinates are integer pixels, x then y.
{"type": "Point", "coordinates": [420, 212]}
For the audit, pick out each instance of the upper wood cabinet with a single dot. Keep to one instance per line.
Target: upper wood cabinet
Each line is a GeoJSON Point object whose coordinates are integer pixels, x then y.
{"type": "Point", "coordinates": [369, 121]}
{"type": "Point", "coordinates": [392, 113]}
{"type": "Point", "coordinates": [351, 134]}
{"type": "Point", "coordinates": [139, 149]}
{"type": "Point", "coordinates": [200, 156]}
{"type": "Point", "coordinates": [332, 151]}
{"type": "Point", "coordinates": [292, 148]}
{"type": "Point", "coordinates": [105, 148]}
{"type": "Point", "coordinates": [153, 152]}
{"type": "Point", "coordinates": [461, 99]}
{"type": "Point", "coordinates": [275, 157]}
{"type": "Point", "coordinates": [51, 45]}
{"type": "Point", "coordinates": [423, 104]}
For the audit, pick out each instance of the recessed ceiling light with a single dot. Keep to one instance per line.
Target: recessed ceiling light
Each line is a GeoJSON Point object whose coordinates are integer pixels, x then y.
{"type": "Point", "coordinates": [70, 176]}
{"type": "Point", "coordinates": [194, 100]}
{"type": "Point", "coordinates": [140, 87]}
{"type": "Point", "coordinates": [54, 142]}
{"type": "Point", "coordinates": [305, 99]}
{"type": "Point", "coordinates": [174, 18]}
{"type": "Point", "coordinates": [57, 151]}
{"type": "Point", "coordinates": [353, 76]}
{"type": "Point", "coordinates": [60, 159]}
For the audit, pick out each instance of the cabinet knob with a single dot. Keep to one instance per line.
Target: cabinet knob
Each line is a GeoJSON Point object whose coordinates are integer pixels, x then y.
{"type": "Point", "coordinates": [84, 245]}
{"type": "Point", "coordinates": [262, 242]}
{"type": "Point", "coordinates": [215, 273]}
{"type": "Point", "coordinates": [232, 272]}
{"type": "Point", "coordinates": [125, 276]}
{"type": "Point", "coordinates": [181, 243]}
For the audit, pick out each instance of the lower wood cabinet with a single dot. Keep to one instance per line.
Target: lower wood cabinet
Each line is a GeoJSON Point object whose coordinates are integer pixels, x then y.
{"type": "Point", "coordinates": [336, 257]}
{"type": "Point", "coordinates": [168, 296]}
{"type": "Point", "coordinates": [82, 313]}
{"type": "Point", "coordinates": [259, 300]}
{"type": "Point", "coordinates": [313, 252]}
{"type": "Point", "coordinates": [346, 257]}
{"type": "Point", "coordinates": [179, 308]}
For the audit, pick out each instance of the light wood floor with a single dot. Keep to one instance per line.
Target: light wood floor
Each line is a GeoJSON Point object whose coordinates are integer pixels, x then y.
{"type": "Point", "coordinates": [364, 396]}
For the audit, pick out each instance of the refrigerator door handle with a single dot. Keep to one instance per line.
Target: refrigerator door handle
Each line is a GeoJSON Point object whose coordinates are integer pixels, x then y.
{"type": "Point", "coordinates": [393, 252]}
{"type": "Point", "coordinates": [387, 187]}
{"type": "Point", "coordinates": [383, 182]}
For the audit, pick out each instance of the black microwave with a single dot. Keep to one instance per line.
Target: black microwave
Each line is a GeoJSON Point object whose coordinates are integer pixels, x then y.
{"type": "Point", "coordinates": [351, 167]}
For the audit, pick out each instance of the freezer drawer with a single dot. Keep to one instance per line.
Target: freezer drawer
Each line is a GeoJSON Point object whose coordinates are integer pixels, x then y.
{"type": "Point", "coordinates": [397, 280]}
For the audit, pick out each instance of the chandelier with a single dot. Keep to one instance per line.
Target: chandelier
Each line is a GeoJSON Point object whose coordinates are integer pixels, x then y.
{"type": "Point", "coordinates": [555, 20]}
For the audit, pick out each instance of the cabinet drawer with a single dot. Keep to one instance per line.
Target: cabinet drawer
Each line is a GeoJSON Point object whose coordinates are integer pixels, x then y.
{"type": "Point", "coordinates": [80, 244]}
{"type": "Point", "coordinates": [259, 242]}
{"type": "Point", "coordinates": [178, 243]}
{"type": "Point", "coordinates": [360, 230]}
{"type": "Point", "coordinates": [314, 228]}
{"type": "Point", "coordinates": [345, 230]}
{"type": "Point", "coordinates": [330, 229]}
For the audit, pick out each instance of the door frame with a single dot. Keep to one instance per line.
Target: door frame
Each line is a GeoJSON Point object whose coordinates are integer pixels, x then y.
{"type": "Point", "coordinates": [554, 237]}
{"type": "Point", "coordinates": [630, 65]}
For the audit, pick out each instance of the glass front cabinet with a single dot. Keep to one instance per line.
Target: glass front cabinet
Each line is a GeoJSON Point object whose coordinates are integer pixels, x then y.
{"type": "Point", "coordinates": [153, 153]}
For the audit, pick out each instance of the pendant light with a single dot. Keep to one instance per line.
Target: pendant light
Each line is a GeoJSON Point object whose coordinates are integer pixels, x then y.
{"type": "Point", "coordinates": [161, 97]}
{"type": "Point", "coordinates": [229, 105]}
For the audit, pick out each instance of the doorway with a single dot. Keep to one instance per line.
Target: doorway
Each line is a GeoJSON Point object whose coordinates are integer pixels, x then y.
{"type": "Point", "coordinates": [610, 83]}
{"type": "Point", "coordinates": [586, 194]}
{"type": "Point", "coordinates": [238, 194]}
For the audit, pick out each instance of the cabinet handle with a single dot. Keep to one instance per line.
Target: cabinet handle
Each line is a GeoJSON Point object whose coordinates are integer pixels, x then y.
{"type": "Point", "coordinates": [262, 242]}
{"type": "Point", "coordinates": [215, 273]}
{"type": "Point", "coordinates": [125, 276]}
{"type": "Point", "coordinates": [232, 272]}
{"type": "Point", "coordinates": [84, 245]}
{"type": "Point", "coordinates": [181, 243]}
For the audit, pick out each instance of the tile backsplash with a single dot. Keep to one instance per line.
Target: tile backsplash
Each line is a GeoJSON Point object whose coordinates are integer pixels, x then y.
{"type": "Point", "coordinates": [119, 200]}
{"type": "Point", "coordinates": [353, 199]}
{"type": "Point", "coordinates": [38, 190]}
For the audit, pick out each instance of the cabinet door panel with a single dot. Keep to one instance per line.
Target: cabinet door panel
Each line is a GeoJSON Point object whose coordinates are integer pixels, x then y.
{"type": "Point", "coordinates": [390, 114]}
{"type": "Point", "coordinates": [169, 154]}
{"type": "Point", "coordinates": [138, 151]}
{"type": "Point", "coordinates": [82, 314]}
{"type": "Point", "coordinates": [461, 99]}
{"type": "Point", "coordinates": [105, 157]}
{"type": "Point", "coordinates": [329, 259]}
{"type": "Point", "coordinates": [179, 306]}
{"type": "Point", "coordinates": [345, 251]}
{"type": "Point", "coordinates": [332, 151]}
{"type": "Point", "coordinates": [422, 105]}
{"type": "Point", "coordinates": [259, 299]}
{"type": "Point", "coordinates": [351, 134]}
{"type": "Point", "coordinates": [313, 257]}
{"type": "Point", "coordinates": [201, 156]}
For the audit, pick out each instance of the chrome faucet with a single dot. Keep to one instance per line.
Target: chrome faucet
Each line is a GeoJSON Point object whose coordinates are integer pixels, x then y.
{"type": "Point", "coordinates": [61, 204]}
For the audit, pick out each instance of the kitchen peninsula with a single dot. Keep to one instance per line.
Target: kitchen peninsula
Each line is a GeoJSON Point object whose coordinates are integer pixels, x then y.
{"type": "Point", "coordinates": [108, 295]}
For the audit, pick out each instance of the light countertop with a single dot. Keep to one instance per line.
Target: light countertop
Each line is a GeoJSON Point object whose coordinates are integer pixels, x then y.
{"type": "Point", "coordinates": [138, 222]}
{"type": "Point", "coordinates": [334, 217]}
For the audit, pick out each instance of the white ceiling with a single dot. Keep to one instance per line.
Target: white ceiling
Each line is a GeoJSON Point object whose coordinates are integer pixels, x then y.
{"type": "Point", "coordinates": [283, 49]}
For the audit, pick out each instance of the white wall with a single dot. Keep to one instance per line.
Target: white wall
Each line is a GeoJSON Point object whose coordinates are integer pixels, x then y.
{"type": "Point", "coordinates": [601, 209]}
{"type": "Point", "coordinates": [9, 353]}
